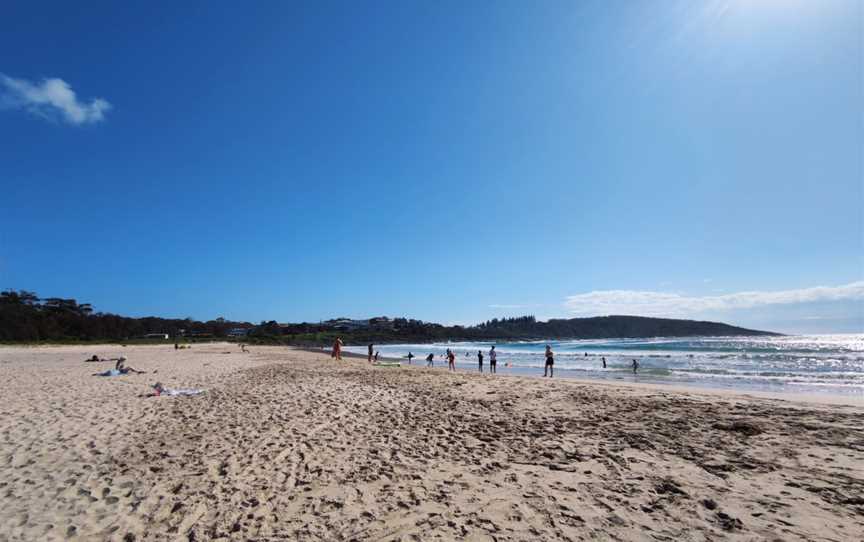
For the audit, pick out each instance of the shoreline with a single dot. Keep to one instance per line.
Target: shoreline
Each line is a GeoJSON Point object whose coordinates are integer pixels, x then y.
{"type": "Point", "coordinates": [810, 398]}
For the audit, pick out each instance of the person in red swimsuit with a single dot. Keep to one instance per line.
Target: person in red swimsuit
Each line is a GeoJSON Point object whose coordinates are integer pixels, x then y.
{"type": "Point", "coordinates": [337, 349]}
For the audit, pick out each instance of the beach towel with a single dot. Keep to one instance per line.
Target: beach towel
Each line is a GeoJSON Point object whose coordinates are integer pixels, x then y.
{"type": "Point", "coordinates": [174, 392]}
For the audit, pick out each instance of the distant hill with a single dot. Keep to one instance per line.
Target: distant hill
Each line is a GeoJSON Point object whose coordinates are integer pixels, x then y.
{"type": "Point", "coordinates": [25, 317]}
{"type": "Point", "coordinates": [382, 330]}
{"type": "Point", "coordinates": [615, 327]}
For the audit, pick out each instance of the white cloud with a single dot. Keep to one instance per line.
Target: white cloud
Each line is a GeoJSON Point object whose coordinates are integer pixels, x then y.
{"type": "Point", "coordinates": [51, 98]}
{"type": "Point", "coordinates": [644, 303]}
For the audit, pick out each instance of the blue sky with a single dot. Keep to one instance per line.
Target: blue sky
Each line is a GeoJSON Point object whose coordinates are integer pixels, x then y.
{"type": "Point", "coordinates": [449, 161]}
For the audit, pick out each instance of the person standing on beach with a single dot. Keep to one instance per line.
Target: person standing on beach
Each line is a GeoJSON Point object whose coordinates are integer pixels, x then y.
{"type": "Point", "coordinates": [451, 361]}
{"type": "Point", "coordinates": [604, 362]}
{"type": "Point", "coordinates": [550, 361]}
{"type": "Point", "coordinates": [371, 348]}
{"type": "Point", "coordinates": [480, 359]}
{"type": "Point", "coordinates": [337, 349]}
{"type": "Point", "coordinates": [410, 357]}
{"type": "Point", "coordinates": [493, 360]}
{"type": "Point", "coordinates": [429, 360]}
{"type": "Point", "coordinates": [635, 366]}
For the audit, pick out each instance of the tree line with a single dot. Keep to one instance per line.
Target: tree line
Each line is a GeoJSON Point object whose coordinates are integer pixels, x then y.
{"type": "Point", "coordinates": [25, 317]}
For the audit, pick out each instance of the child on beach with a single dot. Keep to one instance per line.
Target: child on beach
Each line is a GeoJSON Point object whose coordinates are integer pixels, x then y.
{"type": "Point", "coordinates": [550, 361]}
{"type": "Point", "coordinates": [429, 360]}
{"type": "Point", "coordinates": [480, 360]}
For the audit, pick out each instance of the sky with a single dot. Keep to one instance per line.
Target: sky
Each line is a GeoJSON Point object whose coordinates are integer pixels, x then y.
{"type": "Point", "coordinates": [447, 161]}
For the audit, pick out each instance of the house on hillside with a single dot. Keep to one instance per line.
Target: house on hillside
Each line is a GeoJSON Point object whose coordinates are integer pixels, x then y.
{"type": "Point", "coordinates": [381, 322]}
{"type": "Point", "coordinates": [346, 324]}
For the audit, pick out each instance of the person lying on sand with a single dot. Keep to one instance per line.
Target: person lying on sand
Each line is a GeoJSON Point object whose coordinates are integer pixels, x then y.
{"type": "Point", "coordinates": [96, 358]}
{"type": "Point", "coordinates": [119, 372]}
{"type": "Point", "coordinates": [121, 367]}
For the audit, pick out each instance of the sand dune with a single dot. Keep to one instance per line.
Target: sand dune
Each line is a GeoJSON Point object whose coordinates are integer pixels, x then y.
{"type": "Point", "coordinates": [290, 445]}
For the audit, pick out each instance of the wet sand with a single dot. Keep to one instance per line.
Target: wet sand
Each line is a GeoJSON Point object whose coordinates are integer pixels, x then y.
{"type": "Point", "coordinates": [288, 444]}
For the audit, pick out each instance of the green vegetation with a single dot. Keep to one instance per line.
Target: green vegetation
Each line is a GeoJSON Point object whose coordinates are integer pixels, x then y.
{"type": "Point", "coordinates": [401, 330]}
{"type": "Point", "coordinates": [25, 318]}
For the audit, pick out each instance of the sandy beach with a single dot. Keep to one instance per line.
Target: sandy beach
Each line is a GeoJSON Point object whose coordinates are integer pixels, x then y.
{"type": "Point", "coordinates": [290, 445]}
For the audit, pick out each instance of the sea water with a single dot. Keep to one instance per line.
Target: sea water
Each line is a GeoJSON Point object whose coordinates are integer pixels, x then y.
{"type": "Point", "coordinates": [831, 364]}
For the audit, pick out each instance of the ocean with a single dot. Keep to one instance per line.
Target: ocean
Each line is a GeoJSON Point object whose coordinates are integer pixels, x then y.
{"type": "Point", "coordinates": [832, 364]}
